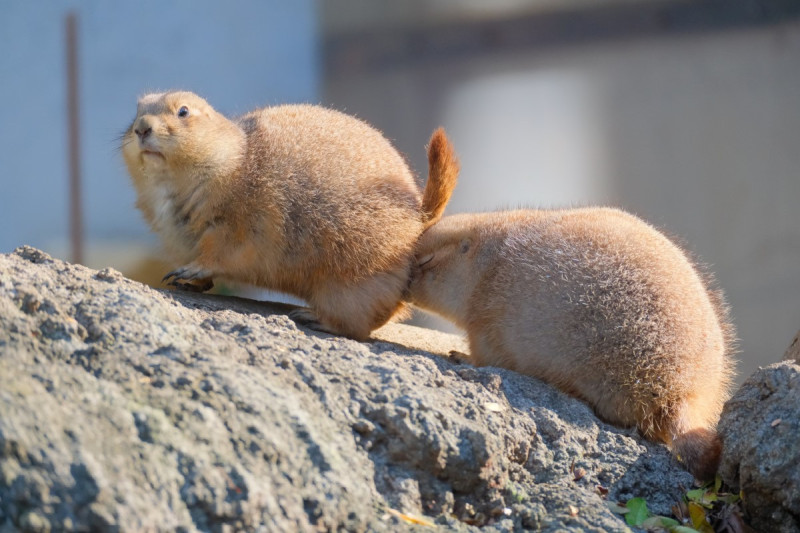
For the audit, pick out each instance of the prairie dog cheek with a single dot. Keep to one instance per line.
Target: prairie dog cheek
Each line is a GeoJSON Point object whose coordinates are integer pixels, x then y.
{"type": "Point", "coordinates": [418, 286]}
{"type": "Point", "coordinates": [130, 148]}
{"type": "Point", "coordinates": [444, 290]}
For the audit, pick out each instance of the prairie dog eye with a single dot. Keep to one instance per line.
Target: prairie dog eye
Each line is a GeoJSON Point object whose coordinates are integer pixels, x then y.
{"type": "Point", "coordinates": [424, 260]}
{"type": "Point", "coordinates": [183, 111]}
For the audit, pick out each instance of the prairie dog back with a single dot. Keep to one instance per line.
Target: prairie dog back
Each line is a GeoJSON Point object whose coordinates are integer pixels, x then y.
{"type": "Point", "coordinates": [339, 185]}
{"type": "Point", "coordinates": [596, 302]}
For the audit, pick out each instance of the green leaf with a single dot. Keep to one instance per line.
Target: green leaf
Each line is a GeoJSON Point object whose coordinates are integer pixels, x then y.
{"type": "Point", "coordinates": [682, 529]}
{"type": "Point", "coordinates": [717, 483]}
{"type": "Point", "coordinates": [695, 495]}
{"type": "Point", "coordinates": [730, 499]}
{"type": "Point", "coordinates": [659, 522]}
{"type": "Point", "coordinates": [638, 512]}
{"type": "Point", "coordinates": [702, 496]}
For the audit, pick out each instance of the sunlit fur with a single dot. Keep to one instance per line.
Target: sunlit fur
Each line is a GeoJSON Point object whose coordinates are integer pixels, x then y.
{"type": "Point", "coordinates": [596, 302]}
{"type": "Point", "coordinates": [294, 198]}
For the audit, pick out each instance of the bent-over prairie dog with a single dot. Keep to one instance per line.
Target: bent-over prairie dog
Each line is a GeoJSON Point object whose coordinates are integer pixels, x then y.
{"type": "Point", "coordinates": [295, 198]}
{"type": "Point", "coordinates": [596, 302]}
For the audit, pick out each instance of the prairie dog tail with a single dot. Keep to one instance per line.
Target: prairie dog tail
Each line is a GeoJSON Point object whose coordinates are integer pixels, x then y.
{"type": "Point", "coordinates": [688, 428]}
{"type": "Point", "coordinates": [443, 170]}
{"type": "Point", "coordinates": [699, 449]}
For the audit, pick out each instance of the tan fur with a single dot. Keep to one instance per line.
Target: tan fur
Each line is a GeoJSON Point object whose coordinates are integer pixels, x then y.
{"type": "Point", "coordinates": [443, 163]}
{"type": "Point", "coordinates": [294, 198]}
{"type": "Point", "coordinates": [596, 302]}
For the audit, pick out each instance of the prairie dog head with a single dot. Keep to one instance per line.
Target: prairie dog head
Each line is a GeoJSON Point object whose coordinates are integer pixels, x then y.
{"type": "Point", "coordinates": [179, 136]}
{"type": "Point", "coordinates": [447, 268]}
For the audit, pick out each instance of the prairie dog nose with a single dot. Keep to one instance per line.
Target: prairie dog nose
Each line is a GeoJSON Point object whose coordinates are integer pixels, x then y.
{"type": "Point", "coordinates": [142, 128]}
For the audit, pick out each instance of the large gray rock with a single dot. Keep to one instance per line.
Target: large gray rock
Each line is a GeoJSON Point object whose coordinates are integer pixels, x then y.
{"type": "Point", "coordinates": [793, 351]}
{"type": "Point", "coordinates": [760, 427]}
{"type": "Point", "coordinates": [128, 408]}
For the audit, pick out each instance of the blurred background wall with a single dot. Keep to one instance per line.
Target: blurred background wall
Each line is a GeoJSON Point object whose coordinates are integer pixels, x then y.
{"type": "Point", "coordinates": [686, 113]}
{"type": "Point", "coordinates": [239, 55]}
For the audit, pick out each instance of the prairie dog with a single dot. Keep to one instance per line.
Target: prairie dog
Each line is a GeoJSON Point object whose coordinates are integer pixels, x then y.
{"type": "Point", "coordinates": [596, 302]}
{"type": "Point", "coordinates": [295, 198]}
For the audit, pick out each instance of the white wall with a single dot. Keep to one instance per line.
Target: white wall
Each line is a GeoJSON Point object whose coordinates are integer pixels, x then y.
{"type": "Point", "coordinates": [239, 55]}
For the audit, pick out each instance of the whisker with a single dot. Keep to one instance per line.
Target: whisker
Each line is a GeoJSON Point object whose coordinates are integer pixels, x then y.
{"type": "Point", "coordinates": [120, 147]}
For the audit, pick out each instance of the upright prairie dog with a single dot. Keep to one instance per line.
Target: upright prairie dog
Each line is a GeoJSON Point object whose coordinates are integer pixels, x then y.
{"type": "Point", "coordinates": [295, 198]}
{"type": "Point", "coordinates": [596, 302]}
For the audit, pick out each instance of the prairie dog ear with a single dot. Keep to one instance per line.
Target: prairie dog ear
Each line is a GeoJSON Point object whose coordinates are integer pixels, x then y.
{"type": "Point", "coordinates": [465, 245]}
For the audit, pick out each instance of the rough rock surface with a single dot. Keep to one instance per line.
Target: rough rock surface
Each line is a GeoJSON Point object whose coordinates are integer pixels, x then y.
{"type": "Point", "coordinates": [127, 408]}
{"type": "Point", "coordinates": [760, 426]}
{"type": "Point", "coordinates": [793, 351]}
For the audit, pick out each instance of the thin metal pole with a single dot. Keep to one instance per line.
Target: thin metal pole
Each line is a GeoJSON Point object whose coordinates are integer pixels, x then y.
{"type": "Point", "coordinates": [73, 136]}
